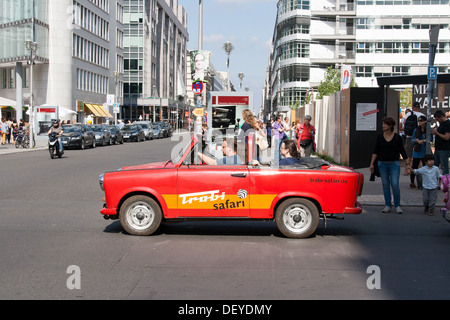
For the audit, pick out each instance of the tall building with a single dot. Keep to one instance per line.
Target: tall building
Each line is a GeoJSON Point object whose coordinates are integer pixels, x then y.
{"type": "Point", "coordinates": [155, 40]}
{"type": "Point", "coordinates": [377, 38]}
{"type": "Point", "coordinates": [78, 59]}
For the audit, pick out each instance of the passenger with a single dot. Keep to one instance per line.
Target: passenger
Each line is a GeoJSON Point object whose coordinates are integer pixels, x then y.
{"type": "Point", "coordinates": [289, 152]}
{"type": "Point", "coordinates": [229, 147]}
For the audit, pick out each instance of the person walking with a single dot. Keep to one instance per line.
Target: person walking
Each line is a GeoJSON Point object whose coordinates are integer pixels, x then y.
{"type": "Point", "coordinates": [419, 149]}
{"type": "Point", "coordinates": [306, 134]}
{"type": "Point", "coordinates": [410, 124]}
{"type": "Point", "coordinates": [250, 125]}
{"type": "Point", "coordinates": [442, 141]}
{"type": "Point", "coordinates": [4, 126]}
{"type": "Point", "coordinates": [387, 151]}
{"type": "Point", "coordinates": [278, 133]}
{"type": "Point", "coordinates": [431, 175]}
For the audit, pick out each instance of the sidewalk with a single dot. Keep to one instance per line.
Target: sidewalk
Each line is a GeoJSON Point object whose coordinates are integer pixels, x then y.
{"type": "Point", "coordinates": [372, 194]}
{"type": "Point", "coordinates": [41, 144]}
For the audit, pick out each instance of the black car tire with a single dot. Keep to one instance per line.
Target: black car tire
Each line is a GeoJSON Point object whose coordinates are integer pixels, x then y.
{"type": "Point", "coordinates": [83, 144]}
{"type": "Point", "coordinates": [297, 218]}
{"type": "Point", "coordinates": [140, 215]}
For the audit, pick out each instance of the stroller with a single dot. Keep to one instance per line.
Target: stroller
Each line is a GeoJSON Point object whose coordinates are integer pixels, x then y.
{"type": "Point", "coordinates": [445, 187]}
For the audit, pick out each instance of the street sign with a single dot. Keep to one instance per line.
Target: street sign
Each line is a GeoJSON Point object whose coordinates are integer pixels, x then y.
{"type": "Point", "coordinates": [198, 112]}
{"type": "Point", "coordinates": [197, 87]}
{"type": "Point", "coordinates": [432, 73]}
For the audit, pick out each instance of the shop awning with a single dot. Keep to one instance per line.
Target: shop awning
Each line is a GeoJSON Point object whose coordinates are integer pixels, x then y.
{"type": "Point", "coordinates": [4, 102]}
{"type": "Point", "coordinates": [98, 110]}
{"type": "Point", "coordinates": [93, 108]}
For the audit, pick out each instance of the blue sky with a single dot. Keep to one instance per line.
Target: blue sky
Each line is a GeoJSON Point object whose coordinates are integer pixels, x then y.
{"type": "Point", "coordinates": [248, 24]}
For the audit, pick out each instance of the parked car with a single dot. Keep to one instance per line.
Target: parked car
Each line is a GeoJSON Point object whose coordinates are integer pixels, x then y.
{"type": "Point", "coordinates": [146, 125]}
{"type": "Point", "coordinates": [102, 134]}
{"type": "Point", "coordinates": [116, 135]}
{"type": "Point", "coordinates": [133, 132]}
{"type": "Point", "coordinates": [166, 129]}
{"type": "Point", "coordinates": [157, 131]}
{"type": "Point", "coordinates": [184, 188]}
{"type": "Point", "coordinates": [77, 136]}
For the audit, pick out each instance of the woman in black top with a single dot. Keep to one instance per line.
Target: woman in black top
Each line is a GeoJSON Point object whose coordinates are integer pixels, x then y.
{"type": "Point", "coordinates": [388, 148]}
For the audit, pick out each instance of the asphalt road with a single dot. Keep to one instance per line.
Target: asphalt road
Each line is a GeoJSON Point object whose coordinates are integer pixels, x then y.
{"type": "Point", "coordinates": [50, 221]}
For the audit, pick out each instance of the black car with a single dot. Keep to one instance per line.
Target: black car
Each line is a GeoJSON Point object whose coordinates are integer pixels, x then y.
{"type": "Point", "coordinates": [133, 132]}
{"type": "Point", "coordinates": [102, 134]}
{"type": "Point", "coordinates": [116, 135]}
{"type": "Point", "coordinates": [166, 129]}
{"type": "Point", "coordinates": [77, 136]}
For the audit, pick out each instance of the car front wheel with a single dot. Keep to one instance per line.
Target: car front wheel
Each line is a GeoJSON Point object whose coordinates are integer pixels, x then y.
{"type": "Point", "coordinates": [297, 218]}
{"type": "Point", "coordinates": [140, 215]}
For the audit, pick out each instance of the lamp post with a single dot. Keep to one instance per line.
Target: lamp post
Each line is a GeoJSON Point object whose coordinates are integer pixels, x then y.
{"type": "Point", "coordinates": [434, 35]}
{"type": "Point", "coordinates": [241, 76]}
{"type": "Point", "coordinates": [116, 108]}
{"type": "Point", "coordinates": [31, 47]}
{"type": "Point", "coordinates": [228, 46]}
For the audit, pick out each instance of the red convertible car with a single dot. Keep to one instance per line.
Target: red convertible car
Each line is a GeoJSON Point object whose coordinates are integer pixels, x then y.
{"type": "Point", "coordinates": [295, 196]}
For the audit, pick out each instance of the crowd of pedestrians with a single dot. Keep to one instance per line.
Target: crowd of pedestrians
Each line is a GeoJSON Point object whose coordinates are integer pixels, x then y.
{"type": "Point", "coordinates": [292, 140]}
{"type": "Point", "coordinates": [9, 130]}
{"type": "Point", "coordinates": [411, 145]}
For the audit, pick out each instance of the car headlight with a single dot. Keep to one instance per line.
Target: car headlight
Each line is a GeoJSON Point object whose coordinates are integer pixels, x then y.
{"type": "Point", "coordinates": [101, 179]}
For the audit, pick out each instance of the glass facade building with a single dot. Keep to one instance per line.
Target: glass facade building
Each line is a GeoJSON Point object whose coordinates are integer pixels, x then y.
{"type": "Point", "coordinates": [22, 20]}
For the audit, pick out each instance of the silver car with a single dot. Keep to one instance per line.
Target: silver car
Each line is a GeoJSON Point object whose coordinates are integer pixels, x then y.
{"type": "Point", "coordinates": [147, 126]}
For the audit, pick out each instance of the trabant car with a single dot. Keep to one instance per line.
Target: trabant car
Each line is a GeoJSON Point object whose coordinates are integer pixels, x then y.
{"type": "Point", "coordinates": [294, 196]}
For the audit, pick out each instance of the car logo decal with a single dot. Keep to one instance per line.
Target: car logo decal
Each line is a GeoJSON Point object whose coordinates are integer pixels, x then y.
{"type": "Point", "coordinates": [242, 194]}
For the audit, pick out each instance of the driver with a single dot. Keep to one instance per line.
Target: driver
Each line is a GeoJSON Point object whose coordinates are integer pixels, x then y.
{"type": "Point", "coordinates": [229, 148]}
{"type": "Point", "coordinates": [59, 131]}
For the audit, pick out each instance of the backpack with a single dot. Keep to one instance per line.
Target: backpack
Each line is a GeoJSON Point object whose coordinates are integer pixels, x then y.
{"type": "Point", "coordinates": [410, 124]}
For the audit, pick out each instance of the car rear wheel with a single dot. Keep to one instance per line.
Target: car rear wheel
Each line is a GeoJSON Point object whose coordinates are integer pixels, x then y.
{"type": "Point", "coordinates": [297, 218]}
{"type": "Point", "coordinates": [140, 215]}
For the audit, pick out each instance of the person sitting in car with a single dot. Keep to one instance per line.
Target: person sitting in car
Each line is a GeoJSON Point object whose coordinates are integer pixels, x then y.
{"type": "Point", "coordinates": [289, 152]}
{"type": "Point", "coordinates": [229, 150]}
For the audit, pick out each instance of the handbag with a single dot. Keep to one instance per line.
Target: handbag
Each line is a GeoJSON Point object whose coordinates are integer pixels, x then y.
{"type": "Point", "coordinates": [305, 143]}
{"type": "Point", "coordinates": [261, 141]}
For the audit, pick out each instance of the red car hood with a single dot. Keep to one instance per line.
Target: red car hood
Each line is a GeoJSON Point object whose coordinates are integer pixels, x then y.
{"type": "Point", "coordinates": [154, 165]}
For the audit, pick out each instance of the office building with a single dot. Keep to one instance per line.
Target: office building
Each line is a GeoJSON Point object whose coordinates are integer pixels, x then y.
{"type": "Point", "coordinates": [377, 38]}
{"type": "Point", "coordinates": [155, 40]}
{"type": "Point", "coordinates": [78, 56]}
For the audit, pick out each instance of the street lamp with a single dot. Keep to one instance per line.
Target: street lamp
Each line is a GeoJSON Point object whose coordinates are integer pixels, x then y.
{"type": "Point", "coordinates": [228, 46]}
{"type": "Point", "coordinates": [31, 47]}
{"type": "Point", "coordinates": [434, 37]}
{"type": "Point", "coordinates": [241, 76]}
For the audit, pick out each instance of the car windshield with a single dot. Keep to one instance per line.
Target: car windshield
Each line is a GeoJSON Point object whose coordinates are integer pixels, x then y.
{"type": "Point", "coordinates": [113, 128]}
{"type": "Point", "coordinates": [128, 127]}
{"type": "Point", "coordinates": [155, 126]}
{"type": "Point", "coordinates": [68, 129]}
{"type": "Point", "coordinates": [143, 125]}
{"type": "Point", "coordinates": [97, 128]}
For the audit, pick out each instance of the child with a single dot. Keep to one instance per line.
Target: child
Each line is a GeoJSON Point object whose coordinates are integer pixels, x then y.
{"type": "Point", "coordinates": [430, 179]}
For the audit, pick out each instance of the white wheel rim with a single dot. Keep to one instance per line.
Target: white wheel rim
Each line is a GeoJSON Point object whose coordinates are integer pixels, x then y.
{"type": "Point", "coordinates": [140, 215]}
{"type": "Point", "coordinates": [297, 218]}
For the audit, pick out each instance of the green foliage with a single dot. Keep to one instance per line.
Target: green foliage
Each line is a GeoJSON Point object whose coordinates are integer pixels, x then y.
{"type": "Point", "coordinates": [406, 98]}
{"type": "Point", "coordinates": [332, 83]}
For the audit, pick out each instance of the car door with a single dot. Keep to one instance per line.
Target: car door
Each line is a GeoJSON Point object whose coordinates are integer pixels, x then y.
{"type": "Point", "coordinates": [215, 191]}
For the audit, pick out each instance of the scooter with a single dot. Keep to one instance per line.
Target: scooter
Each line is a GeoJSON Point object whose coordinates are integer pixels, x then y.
{"type": "Point", "coordinates": [53, 146]}
{"type": "Point", "coordinates": [445, 187]}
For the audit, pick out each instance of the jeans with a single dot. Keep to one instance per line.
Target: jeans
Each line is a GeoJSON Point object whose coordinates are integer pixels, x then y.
{"type": "Point", "coordinates": [390, 176]}
{"type": "Point", "coordinates": [441, 158]}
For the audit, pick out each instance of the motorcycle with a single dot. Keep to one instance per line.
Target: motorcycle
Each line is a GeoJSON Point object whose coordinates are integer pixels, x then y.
{"type": "Point", "coordinates": [53, 146]}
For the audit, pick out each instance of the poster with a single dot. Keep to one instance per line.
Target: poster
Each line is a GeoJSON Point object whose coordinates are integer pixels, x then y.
{"type": "Point", "coordinates": [366, 116]}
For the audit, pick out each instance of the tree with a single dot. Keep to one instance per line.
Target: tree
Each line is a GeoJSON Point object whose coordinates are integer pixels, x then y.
{"type": "Point", "coordinates": [332, 83]}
